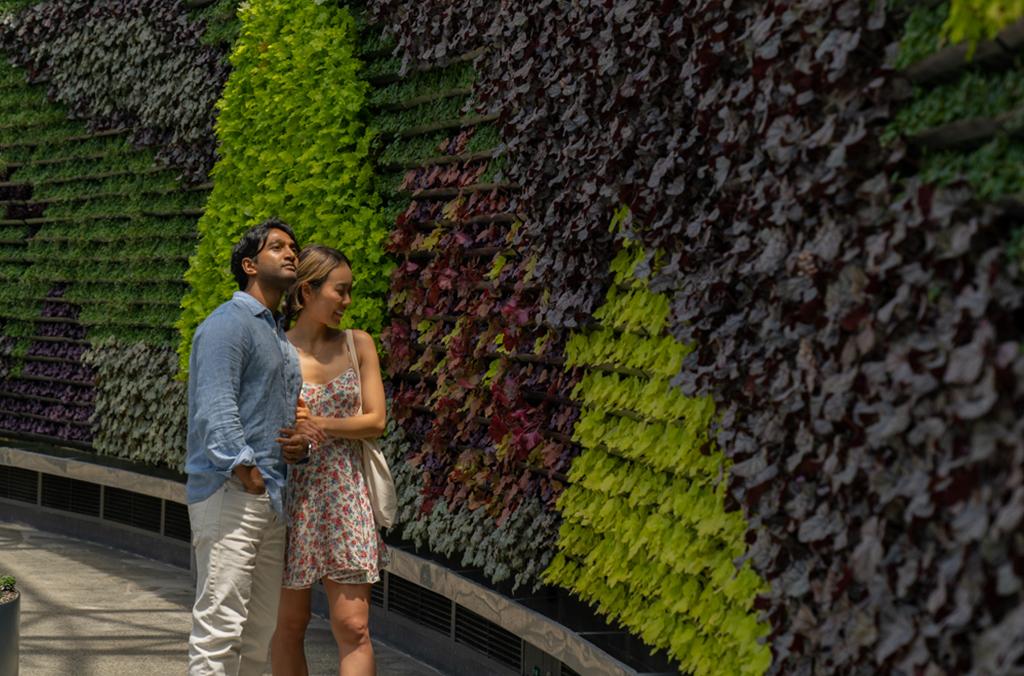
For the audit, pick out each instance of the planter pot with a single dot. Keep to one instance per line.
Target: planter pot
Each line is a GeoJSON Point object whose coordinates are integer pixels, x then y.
{"type": "Point", "coordinates": [9, 616]}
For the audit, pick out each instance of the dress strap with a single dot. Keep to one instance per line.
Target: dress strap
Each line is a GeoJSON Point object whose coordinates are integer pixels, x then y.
{"type": "Point", "coordinates": [355, 365]}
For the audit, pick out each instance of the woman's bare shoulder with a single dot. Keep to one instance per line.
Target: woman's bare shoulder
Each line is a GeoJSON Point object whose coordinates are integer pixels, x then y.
{"type": "Point", "coordinates": [362, 338]}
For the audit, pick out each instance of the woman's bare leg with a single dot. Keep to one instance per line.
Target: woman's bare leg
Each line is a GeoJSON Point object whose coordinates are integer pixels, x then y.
{"type": "Point", "coordinates": [350, 618]}
{"type": "Point", "coordinates": [287, 648]}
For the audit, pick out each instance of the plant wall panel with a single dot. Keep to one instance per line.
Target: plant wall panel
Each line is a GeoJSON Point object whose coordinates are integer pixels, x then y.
{"type": "Point", "coordinates": [292, 145]}
{"type": "Point", "coordinates": [479, 390]}
{"type": "Point", "coordinates": [850, 302]}
{"type": "Point", "coordinates": [155, 74]}
{"type": "Point", "coordinates": [646, 535]}
{"type": "Point", "coordinates": [96, 237]}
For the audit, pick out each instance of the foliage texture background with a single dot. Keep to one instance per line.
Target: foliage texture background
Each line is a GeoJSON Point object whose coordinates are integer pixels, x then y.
{"type": "Point", "coordinates": [858, 325]}
{"type": "Point", "coordinates": [292, 146]}
{"type": "Point", "coordinates": [130, 64]}
{"type": "Point", "coordinates": [848, 293]}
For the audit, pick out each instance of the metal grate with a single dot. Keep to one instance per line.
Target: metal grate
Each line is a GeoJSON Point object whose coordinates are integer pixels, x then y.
{"type": "Point", "coordinates": [176, 523]}
{"type": "Point", "coordinates": [488, 638]}
{"type": "Point", "coordinates": [133, 509]}
{"type": "Point", "coordinates": [377, 593]}
{"type": "Point", "coordinates": [19, 484]}
{"type": "Point", "coordinates": [71, 495]}
{"type": "Point", "coordinates": [420, 605]}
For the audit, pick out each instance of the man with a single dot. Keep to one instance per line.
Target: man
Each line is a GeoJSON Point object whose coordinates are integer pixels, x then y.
{"type": "Point", "coordinates": [243, 388]}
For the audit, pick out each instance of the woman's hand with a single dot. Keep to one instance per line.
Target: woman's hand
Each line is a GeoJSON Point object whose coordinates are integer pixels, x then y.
{"type": "Point", "coordinates": [296, 442]}
{"type": "Point", "coordinates": [302, 411]}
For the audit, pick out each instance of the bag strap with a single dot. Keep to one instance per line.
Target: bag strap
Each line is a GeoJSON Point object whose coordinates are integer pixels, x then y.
{"type": "Point", "coordinates": [355, 364]}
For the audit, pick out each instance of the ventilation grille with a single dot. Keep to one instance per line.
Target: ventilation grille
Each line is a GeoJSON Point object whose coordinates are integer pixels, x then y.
{"type": "Point", "coordinates": [19, 484]}
{"type": "Point", "coordinates": [132, 509]}
{"type": "Point", "coordinates": [377, 593]}
{"type": "Point", "coordinates": [419, 604]}
{"type": "Point", "coordinates": [488, 638]}
{"type": "Point", "coordinates": [176, 524]}
{"type": "Point", "coordinates": [71, 495]}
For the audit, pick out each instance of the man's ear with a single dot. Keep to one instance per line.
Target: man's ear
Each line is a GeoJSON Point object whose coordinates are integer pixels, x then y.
{"type": "Point", "coordinates": [249, 266]}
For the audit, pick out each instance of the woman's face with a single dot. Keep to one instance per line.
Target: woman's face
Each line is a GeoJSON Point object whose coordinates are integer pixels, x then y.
{"type": "Point", "coordinates": [328, 303]}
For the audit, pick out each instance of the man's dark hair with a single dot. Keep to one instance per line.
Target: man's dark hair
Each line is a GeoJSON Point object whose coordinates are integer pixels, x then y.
{"type": "Point", "coordinates": [252, 243]}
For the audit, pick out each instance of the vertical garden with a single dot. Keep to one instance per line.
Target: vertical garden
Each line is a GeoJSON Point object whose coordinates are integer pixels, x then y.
{"type": "Point", "coordinates": [707, 313]}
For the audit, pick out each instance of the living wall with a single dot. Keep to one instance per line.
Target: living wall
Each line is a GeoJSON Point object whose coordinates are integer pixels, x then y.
{"type": "Point", "coordinates": [771, 415]}
{"type": "Point", "coordinates": [292, 145]}
{"type": "Point", "coordinates": [153, 76]}
{"type": "Point", "coordinates": [853, 313]}
{"type": "Point", "coordinates": [97, 238]}
{"type": "Point", "coordinates": [646, 535]}
{"type": "Point", "coordinates": [478, 385]}
{"type": "Point", "coordinates": [99, 223]}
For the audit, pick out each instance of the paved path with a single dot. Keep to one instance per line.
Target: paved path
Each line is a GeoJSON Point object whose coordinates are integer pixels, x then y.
{"type": "Point", "coordinates": [87, 610]}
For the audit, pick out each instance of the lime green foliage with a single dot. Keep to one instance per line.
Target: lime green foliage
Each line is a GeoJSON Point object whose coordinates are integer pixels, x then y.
{"type": "Point", "coordinates": [974, 20]}
{"type": "Point", "coordinates": [974, 94]}
{"type": "Point", "coordinates": [140, 407]}
{"type": "Point", "coordinates": [645, 535]}
{"type": "Point", "coordinates": [292, 145]}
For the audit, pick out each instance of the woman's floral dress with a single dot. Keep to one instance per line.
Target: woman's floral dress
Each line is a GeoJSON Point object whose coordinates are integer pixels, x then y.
{"type": "Point", "coordinates": [331, 531]}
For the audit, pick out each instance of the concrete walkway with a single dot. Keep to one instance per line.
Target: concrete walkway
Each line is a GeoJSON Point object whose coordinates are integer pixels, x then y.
{"type": "Point", "coordinates": [88, 610]}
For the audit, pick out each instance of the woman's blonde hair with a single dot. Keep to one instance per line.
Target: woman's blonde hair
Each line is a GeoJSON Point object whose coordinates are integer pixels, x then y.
{"type": "Point", "coordinates": [316, 262]}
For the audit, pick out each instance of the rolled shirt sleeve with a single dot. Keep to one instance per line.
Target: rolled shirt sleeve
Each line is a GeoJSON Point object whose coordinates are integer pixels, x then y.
{"type": "Point", "coordinates": [218, 357]}
{"type": "Point", "coordinates": [244, 382]}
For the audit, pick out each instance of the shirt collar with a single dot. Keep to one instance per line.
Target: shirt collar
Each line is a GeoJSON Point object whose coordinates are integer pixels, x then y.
{"type": "Point", "coordinates": [256, 307]}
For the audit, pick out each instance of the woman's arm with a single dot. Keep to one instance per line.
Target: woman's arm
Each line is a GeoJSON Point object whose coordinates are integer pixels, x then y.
{"type": "Point", "coordinates": [371, 423]}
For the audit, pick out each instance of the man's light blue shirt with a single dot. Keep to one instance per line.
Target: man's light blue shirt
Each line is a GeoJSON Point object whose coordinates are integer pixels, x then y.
{"type": "Point", "coordinates": [243, 386]}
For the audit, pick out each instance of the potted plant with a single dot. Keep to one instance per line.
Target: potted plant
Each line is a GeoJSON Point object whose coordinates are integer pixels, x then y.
{"type": "Point", "coordinates": [10, 604]}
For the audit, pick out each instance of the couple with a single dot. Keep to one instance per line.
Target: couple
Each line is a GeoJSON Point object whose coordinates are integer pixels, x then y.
{"type": "Point", "coordinates": [273, 441]}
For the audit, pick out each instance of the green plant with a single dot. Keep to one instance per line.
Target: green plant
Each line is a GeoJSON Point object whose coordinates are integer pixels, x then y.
{"type": "Point", "coordinates": [993, 170]}
{"type": "Point", "coordinates": [424, 83]}
{"type": "Point", "coordinates": [921, 33]}
{"type": "Point", "coordinates": [974, 20]}
{"type": "Point", "coordinates": [646, 536]}
{"type": "Point", "coordinates": [7, 583]}
{"type": "Point", "coordinates": [220, 21]}
{"type": "Point", "coordinates": [974, 94]}
{"type": "Point", "coordinates": [95, 241]}
{"type": "Point", "coordinates": [294, 148]}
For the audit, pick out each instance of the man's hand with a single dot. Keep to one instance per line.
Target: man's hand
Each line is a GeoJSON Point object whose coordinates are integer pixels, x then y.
{"type": "Point", "coordinates": [296, 442]}
{"type": "Point", "coordinates": [251, 478]}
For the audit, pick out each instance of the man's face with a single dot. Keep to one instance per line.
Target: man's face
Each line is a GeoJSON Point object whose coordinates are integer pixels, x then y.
{"type": "Point", "coordinates": [276, 262]}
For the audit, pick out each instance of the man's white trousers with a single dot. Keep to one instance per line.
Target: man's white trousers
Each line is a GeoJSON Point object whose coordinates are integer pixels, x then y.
{"type": "Point", "coordinates": [239, 544]}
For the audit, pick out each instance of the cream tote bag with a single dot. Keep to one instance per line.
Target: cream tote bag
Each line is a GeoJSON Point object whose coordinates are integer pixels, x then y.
{"type": "Point", "coordinates": [375, 466]}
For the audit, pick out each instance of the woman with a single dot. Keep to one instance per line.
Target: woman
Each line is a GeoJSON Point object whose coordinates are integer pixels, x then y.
{"type": "Point", "coordinates": [331, 532]}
